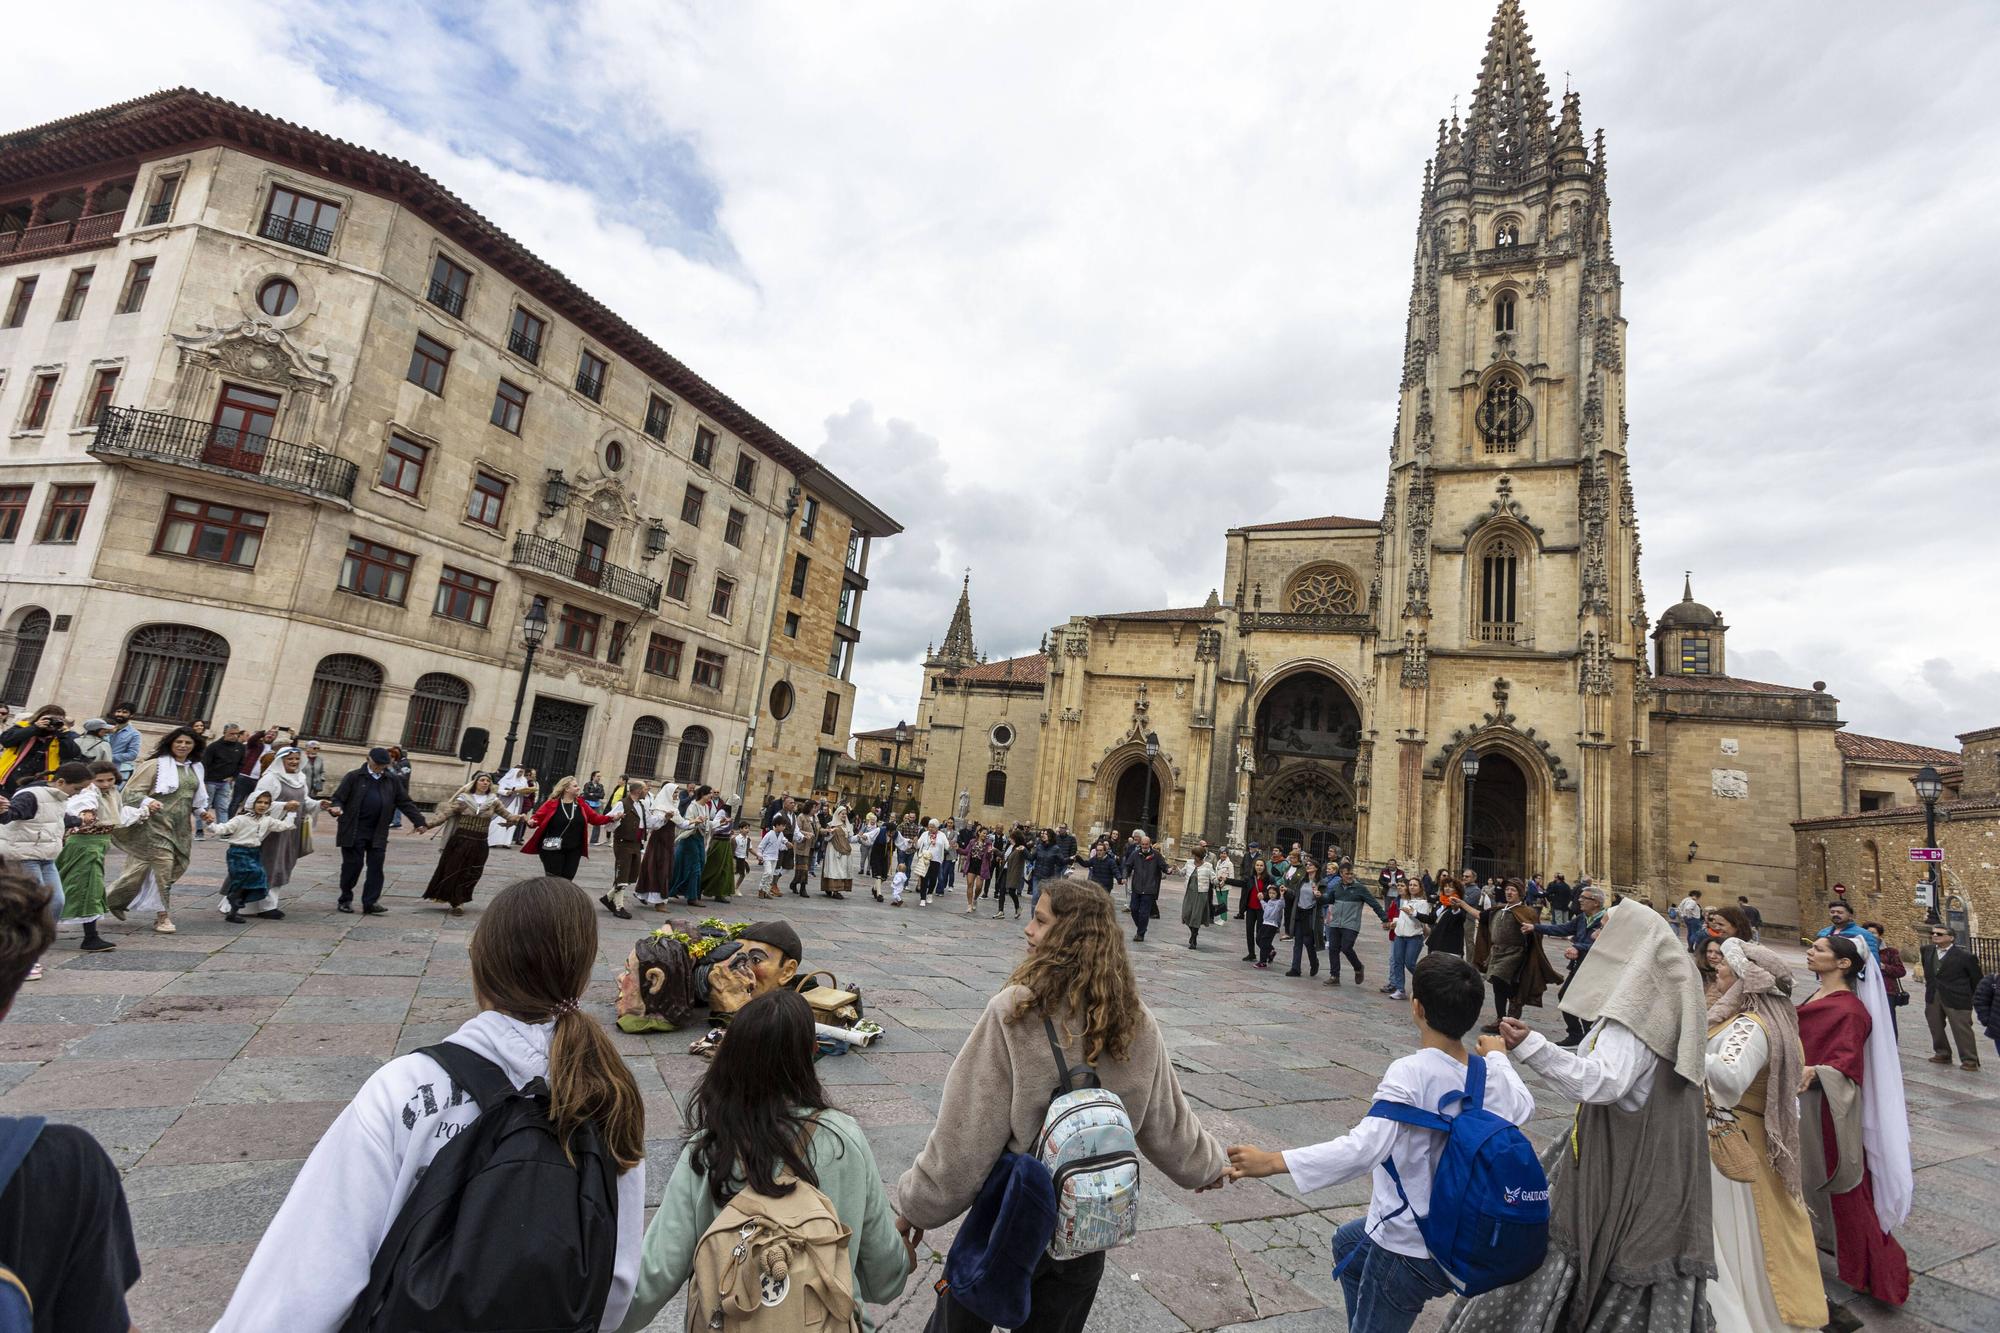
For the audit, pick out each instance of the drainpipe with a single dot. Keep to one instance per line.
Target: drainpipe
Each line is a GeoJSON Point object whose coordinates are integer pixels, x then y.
{"type": "Point", "coordinates": [764, 653]}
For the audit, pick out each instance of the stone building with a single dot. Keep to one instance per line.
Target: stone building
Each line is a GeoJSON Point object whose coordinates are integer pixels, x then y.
{"type": "Point", "coordinates": [294, 435]}
{"type": "Point", "coordinates": [1464, 680]}
{"type": "Point", "coordinates": [880, 771]}
{"type": "Point", "coordinates": [979, 725]}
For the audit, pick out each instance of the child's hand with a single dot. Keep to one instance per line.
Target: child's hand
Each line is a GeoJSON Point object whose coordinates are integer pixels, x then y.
{"type": "Point", "coordinates": [1491, 1045]}
{"type": "Point", "coordinates": [1246, 1162]}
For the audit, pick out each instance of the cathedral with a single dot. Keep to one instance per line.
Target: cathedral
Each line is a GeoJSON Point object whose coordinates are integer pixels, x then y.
{"type": "Point", "coordinates": [1471, 678]}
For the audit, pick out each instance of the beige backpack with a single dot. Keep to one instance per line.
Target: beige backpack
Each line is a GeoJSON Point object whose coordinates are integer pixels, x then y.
{"type": "Point", "coordinates": [770, 1265]}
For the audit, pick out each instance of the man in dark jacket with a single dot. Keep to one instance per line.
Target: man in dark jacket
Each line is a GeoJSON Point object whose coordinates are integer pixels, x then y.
{"type": "Point", "coordinates": [1065, 843]}
{"type": "Point", "coordinates": [362, 805]}
{"type": "Point", "coordinates": [1951, 975]}
{"type": "Point", "coordinates": [1561, 898]}
{"type": "Point", "coordinates": [1581, 932]}
{"type": "Point", "coordinates": [221, 761]}
{"type": "Point", "coordinates": [1143, 866]}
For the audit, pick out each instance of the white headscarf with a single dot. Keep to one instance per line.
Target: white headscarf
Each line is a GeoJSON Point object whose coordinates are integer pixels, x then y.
{"type": "Point", "coordinates": [1640, 975]}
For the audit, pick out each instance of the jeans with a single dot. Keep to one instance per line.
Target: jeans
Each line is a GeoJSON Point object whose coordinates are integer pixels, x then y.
{"type": "Point", "coordinates": [1385, 1291]}
{"type": "Point", "coordinates": [1404, 950]}
{"type": "Point", "coordinates": [219, 794]}
{"type": "Point", "coordinates": [45, 872]}
{"type": "Point", "coordinates": [1697, 936]}
{"type": "Point", "coordinates": [1340, 944]}
{"type": "Point", "coordinates": [1059, 1301]}
{"type": "Point", "coordinates": [351, 861]}
{"type": "Point", "coordinates": [1305, 937]}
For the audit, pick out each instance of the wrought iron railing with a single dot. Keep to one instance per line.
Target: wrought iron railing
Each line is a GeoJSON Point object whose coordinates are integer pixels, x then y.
{"type": "Point", "coordinates": [447, 299]}
{"type": "Point", "coordinates": [298, 235]}
{"type": "Point", "coordinates": [126, 432]}
{"type": "Point", "coordinates": [158, 213]}
{"type": "Point", "coordinates": [589, 386]}
{"type": "Point", "coordinates": [521, 345]}
{"type": "Point", "coordinates": [585, 567]}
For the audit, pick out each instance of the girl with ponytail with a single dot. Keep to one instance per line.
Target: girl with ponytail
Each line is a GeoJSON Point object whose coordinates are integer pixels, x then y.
{"type": "Point", "coordinates": [531, 959]}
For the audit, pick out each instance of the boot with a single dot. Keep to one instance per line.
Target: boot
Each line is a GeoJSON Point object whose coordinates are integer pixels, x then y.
{"type": "Point", "coordinates": [1193, 935]}
{"type": "Point", "coordinates": [92, 941]}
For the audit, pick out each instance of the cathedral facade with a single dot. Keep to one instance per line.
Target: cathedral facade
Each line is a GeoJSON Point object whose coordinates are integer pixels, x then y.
{"type": "Point", "coordinates": [1466, 680]}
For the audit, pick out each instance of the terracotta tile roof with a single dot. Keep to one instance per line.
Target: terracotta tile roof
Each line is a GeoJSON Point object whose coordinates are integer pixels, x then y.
{"type": "Point", "coordinates": [1854, 746]}
{"type": "Point", "coordinates": [1322, 523]}
{"type": "Point", "coordinates": [157, 123]}
{"type": "Point", "coordinates": [1170, 613]}
{"type": "Point", "coordinates": [1727, 685]}
{"type": "Point", "coordinates": [1913, 814]}
{"type": "Point", "coordinates": [1030, 670]}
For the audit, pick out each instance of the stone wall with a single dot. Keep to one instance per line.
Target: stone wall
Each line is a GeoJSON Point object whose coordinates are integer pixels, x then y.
{"type": "Point", "coordinates": [1870, 855]}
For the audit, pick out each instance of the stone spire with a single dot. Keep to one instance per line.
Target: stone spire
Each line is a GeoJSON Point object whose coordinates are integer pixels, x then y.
{"type": "Point", "coordinates": [1508, 123]}
{"type": "Point", "coordinates": [957, 648]}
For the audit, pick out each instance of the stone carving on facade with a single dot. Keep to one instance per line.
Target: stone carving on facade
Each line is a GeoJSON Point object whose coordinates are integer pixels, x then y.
{"type": "Point", "coordinates": [1731, 784]}
{"type": "Point", "coordinates": [254, 350]}
{"type": "Point", "coordinates": [1077, 643]}
{"type": "Point", "coordinates": [1504, 505]}
{"type": "Point", "coordinates": [607, 498]}
{"type": "Point", "coordinates": [1208, 645]}
{"type": "Point", "coordinates": [1324, 589]}
{"type": "Point", "coordinates": [1416, 658]}
{"type": "Point", "coordinates": [1596, 667]}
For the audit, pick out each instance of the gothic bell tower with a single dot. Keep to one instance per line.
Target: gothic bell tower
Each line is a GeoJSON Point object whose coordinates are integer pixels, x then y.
{"type": "Point", "coordinates": [1511, 619]}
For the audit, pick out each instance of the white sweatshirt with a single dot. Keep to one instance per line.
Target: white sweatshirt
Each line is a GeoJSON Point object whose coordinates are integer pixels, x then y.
{"type": "Point", "coordinates": [316, 1254]}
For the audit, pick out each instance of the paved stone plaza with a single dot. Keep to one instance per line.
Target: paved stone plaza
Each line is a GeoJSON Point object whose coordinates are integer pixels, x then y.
{"type": "Point", "coordinates": [208, 1063]}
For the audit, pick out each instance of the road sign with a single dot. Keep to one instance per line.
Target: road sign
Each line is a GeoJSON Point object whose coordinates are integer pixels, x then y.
{"type": "Point", "coordinates": [1923, 898]}
{"type": "Point", "coordinates": [1927, 853]}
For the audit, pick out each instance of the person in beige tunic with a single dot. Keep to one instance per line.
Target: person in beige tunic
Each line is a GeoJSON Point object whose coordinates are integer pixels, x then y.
{"type": "Point", "coordinates": [158, 847]}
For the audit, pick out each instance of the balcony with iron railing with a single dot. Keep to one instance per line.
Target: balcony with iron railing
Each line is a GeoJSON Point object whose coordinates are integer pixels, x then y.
{"type": "Point", "coordinates": [521, 345]}
{"type": "Point", "coordinates": [448, 299]}
{"type": "Point", "coordinates": [53, 238]}
{"type": "Point", "coordinates": [590, 386]}
{"type": "Point", "coordinates": [585, 568]}
{"type": "Point", "coordinates": [155, 437]}
{"type": "Point", "coordinates": [298, 235]}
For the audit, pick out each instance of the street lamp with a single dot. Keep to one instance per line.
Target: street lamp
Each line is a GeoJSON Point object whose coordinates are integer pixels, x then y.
{"type": "Point", "coordinates": [534, 628]}
{"type": "Point", "coordinates": [1929, 787]}
{"type": "Point", "coordinates": [902, 739]}
{"type": "Point", "coordinates": [1152, 780]}
{"type": "Point", "coordinates": [1469, 765]}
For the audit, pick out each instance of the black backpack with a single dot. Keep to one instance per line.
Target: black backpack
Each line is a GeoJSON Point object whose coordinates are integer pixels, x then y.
{"type": "Point", "coordinates": [502, 1234]}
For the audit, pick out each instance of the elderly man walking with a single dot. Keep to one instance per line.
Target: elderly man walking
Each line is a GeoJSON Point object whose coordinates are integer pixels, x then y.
{"type": "Point", "coordinates": [1143, 868]}
{"type": "Point", "coordinates": [1581, 931]}
{"type": "Point", "coordinates": [362, 806]}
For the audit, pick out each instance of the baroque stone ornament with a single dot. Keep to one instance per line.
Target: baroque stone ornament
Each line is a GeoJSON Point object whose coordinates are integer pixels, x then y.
{"type": "Point", "coordinates": [254, 350]}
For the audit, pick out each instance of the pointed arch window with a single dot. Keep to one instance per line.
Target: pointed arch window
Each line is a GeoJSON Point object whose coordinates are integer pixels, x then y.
{"type": "Point", "coordinates": [1504, 414]}
{"type": "Point", "coordinates": [1499, 592]}
{"type": "Point", "coordinates": [1503, 313]}
{"type": "Point", "coordinates": [1508, 233]}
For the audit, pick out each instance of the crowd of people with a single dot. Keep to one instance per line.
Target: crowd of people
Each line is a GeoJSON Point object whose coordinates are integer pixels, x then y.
{"type": "Point", "coordinates": [1727, 1129]}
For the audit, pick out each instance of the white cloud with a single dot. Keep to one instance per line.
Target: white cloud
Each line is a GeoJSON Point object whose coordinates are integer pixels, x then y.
{"type": "Point", "coordinates": [1071, 289]}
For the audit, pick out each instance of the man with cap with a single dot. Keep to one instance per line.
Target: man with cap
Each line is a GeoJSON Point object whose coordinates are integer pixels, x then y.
{"type": "Point", "coordinates": [95, 741]}
{"type": "Point", "coordinates": [362, 806]}
{"type": "Point", "coordinates": [1580, 929]}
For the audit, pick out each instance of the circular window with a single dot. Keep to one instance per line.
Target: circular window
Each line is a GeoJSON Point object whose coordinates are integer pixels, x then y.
{"type": "Point", "coordinates": [614, 457]}
{"type": "Point", "coordinates": [277, 297]}
{"type": "Point", "coordinates": [781, 700]}
{"type": "Point", "coordinates": [1002, 733]}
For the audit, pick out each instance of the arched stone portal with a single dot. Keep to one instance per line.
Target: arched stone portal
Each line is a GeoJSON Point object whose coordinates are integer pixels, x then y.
{"type": "Point", "coordinates": [1499, 829]}
{"type": "Point", "coordinates": [1308, 738]}
{"type": "Point", "coordinates": [1135, 801]}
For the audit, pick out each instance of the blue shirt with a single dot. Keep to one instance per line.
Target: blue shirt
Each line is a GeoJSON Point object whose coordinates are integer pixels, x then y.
{"type": "Point", "coordinates": [1853, 931]}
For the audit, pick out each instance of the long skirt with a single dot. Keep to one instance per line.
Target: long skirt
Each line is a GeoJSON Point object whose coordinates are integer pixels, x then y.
{"type": "Point", "coordinates": [625, 859]}
{"type": "Point", "coordinates": [154, 862]}
{"type": "Point", "coordinates": [246, 884]}
{"type": "Point", "coordinates": [80, 866]}
{"type": "Point", "coordinates": [690, 853]}
{"type": "Point", "coordinates": [718, 872]}
{"type": "Point", "coordinates": [281, 852]}
{"type": "Point", "coordinates": [656, 867]}
{"type": "Point", "coordinates": [459, 867]}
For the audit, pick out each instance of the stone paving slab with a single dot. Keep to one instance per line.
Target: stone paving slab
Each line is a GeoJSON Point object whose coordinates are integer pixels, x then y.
{"type": "Point", "coordinates": [209, 1062]}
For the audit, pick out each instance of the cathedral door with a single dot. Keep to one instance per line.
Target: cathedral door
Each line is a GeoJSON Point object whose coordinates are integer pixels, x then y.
{"type": "Point", "coordinates": [1135, 802]}
{"type": "Point", "coordinates": [1499, 823]}
{"type": "Point", "coordinates": [1309, 805]}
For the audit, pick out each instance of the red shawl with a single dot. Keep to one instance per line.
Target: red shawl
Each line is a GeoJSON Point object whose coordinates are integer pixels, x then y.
{"type": "Point", "coordinates": [1834, 1032]}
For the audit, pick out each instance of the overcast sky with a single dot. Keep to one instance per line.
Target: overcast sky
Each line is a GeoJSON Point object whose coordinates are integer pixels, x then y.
{"type": "Point", "coordinates": [1071, 288]}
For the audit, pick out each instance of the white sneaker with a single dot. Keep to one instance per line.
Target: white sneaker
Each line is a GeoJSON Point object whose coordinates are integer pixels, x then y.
{"type": "Point", "coordinates": [1399, 996]}
{"type": "Point", "coordinates": [35, 972]}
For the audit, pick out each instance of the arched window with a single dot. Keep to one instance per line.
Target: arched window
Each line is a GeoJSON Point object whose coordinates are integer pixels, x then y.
{"type": "Point", "coordinates": [692, 757]}
{"type": "Point", "coordinates": [31, 635]}
{"type": "Point", "coordinates": [1503, 313]}
{"type": "Point", "coordinates": [1499, 573]}
{"type": "Point", "coordinates": [342, 703]}
{"type": "Point", "coordinates": [171, 672]}
{"type": "Point", "coordinates": [642, 756]}
{"type": "Point", "coordinates": [996, 787]}
{"type": "Point", "coordinates": [1324, 590]}
{"type": "Point", "coordinates": [1507, 233]}
{"type": "Point", "coordinates": [1504, 415]}
{"type": "Point", "coordinates": [437, 711]}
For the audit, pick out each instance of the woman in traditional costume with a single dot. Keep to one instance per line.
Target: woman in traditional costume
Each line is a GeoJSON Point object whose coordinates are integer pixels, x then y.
{"type": "Point", "coordinates": [1838, 1034]}
{"type": "Point", "coordinates": [656, 865]}
{"type": "Point", "coordinates": [718, 871]}
{"type": "Point", "coordinates": [157, 848]}
{"type": "Point", "coordinates": [628, 845]}
{"type": "Point", "coordinates": [285, 780]}
{"type": "Point", "coordinates": [836, 874]}
{"type": "Point", "coordinates": [690, 836]}
{"type": "Point", "coordinates": [468, 817]}
{"type": "Point", "coordinates": [80, 864]}
{"type": "Point", "coordinates": [1766, 1273]}
{"type": "Point", "coordinates": [1509, 952]}
{"type": "Point", "coordinates": [1631, 1227]}
{"type": "Point", "coordinates": [516, 790]}
{"type": "Point", "coordinates": [875, 847]}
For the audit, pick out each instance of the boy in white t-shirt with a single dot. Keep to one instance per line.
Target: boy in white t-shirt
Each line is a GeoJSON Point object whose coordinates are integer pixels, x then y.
{"type": "Point", "coordinates": [769, 848]}
{"type": "Point", "coordinates": [1388, 1284]}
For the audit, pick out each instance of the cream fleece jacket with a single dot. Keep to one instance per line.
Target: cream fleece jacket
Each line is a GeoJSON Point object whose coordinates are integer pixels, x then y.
{"type": "Point", "coordinates": [1008, 1065]}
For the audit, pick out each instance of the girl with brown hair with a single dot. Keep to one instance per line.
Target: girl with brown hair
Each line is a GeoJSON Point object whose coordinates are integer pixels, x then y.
{"type": "Point", "coordinates": [1077, 976]}
{"type": "Point", "coordinates": [531, 955]}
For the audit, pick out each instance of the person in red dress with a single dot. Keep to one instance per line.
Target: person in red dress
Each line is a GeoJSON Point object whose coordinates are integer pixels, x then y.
{"type": "Point", "coordinates": [1834, 1027]}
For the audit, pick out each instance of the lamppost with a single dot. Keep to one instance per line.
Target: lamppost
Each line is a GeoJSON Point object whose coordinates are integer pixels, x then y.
{"type": "Point", "coordinates": [1469, 765]}
{"type": "Point", "coordinates": [534, 628]}
{"type": "Point", "coordinates": [1929, 787]}
{"type": "Point", "coordinates": [1152, 782]}
{"type": "Point", "coordinates": [902, 739]}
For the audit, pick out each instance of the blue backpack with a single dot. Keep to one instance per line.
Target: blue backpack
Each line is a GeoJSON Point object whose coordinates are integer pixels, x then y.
{"type": "Point", "coordinates": [991, 1268]}
{"type": "Point", "coordinates": [1489, 1221]}
{"type": "Point", "coordinates": [17, 1136]}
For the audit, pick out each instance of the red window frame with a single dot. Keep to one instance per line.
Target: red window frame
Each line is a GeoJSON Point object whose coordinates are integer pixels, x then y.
{"type": "Point", "coordinates": [723, 597]}
{"type": "Point", "coordinates": [192, 529]}
{"type": "Point", "coordinates": [525, 333]}
{"type": "Point", "coordinates": [577, 630]}
{"type": "Point", "coordinates": [709, 669]}
{"type": "Point", "coordinates": [101, 390]}
{"type": "Point", "coordinates": [464, 595]}
{"type": "Point", "coordinates": [301, 210]}
{"type": "Point", "coordinates": [75, 294]}
{"type": "Point", "coordinates": [17, 304]}
{"type": "Point", "coordinates": [659, 416]}
{"type": "Point", "coordinates": [137, 280]}
{"type": "Point", "coordinates": [663, 656]}
{"type": "Point", "coordinates": [510, 405]}
{"type": "Point", "coordinates": [403, 464]}
{"type": "Point", "coordinates": [13, 510]}
{"type": "Point", "coordinates": [680, 573]}
{"type": "Point", "coordinates": [732, 530]}
{"type": "Point", "coordinates": [691, 501]}
{"type": "Point", "coordinates": [486, 503]}
{"type": "Point", "coordinates": [429, 361]}
{"type": "Point", "coordinates": [38, 402]}
{"type": "Point", "coordinates": [62, 521]}
{"type": "Point", "coordinates": [379, 573]}
{"type": "Point", "coordinates": [280, 292]}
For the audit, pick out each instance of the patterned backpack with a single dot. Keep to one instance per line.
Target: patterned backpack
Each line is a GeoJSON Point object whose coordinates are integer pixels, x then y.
{"type": "Point", "coordinates": [1089, 1148]}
